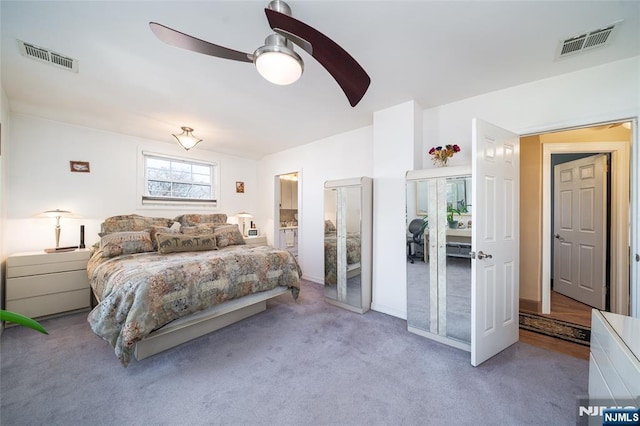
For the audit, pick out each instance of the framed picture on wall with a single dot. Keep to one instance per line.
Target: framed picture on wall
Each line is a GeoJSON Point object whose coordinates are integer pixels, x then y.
{"type": "Point", "coordinates": [240, 187]}
{"type": "Point", "coordinates": [79, 166]}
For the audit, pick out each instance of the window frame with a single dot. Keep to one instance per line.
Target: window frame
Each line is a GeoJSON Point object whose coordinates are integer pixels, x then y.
{"type": "Point", "coordinates": [148, 201]}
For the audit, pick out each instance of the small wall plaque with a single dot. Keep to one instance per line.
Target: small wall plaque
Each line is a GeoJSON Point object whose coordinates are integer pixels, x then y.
{"type": "Point", "coordinates": [79, 166]}
{"type": "Point", "coordinates": [240, 187]}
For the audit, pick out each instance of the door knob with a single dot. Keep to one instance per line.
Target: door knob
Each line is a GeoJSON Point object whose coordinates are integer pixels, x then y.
{"type": "Point", "coordinates": [481, 255]}
{"type": "Point", "coordinates": [558, 237]}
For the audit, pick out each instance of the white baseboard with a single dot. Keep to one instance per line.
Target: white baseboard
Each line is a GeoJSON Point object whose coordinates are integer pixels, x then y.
{"type": "Point", "coordinates": [317, 280]}
{"type": "Point", "coordinates": [389, 311]}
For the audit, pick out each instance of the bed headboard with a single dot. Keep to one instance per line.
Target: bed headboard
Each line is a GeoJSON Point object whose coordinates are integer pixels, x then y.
{"type": "Point", "coordinates": [196, 219]}
{"type": "Point", "coordinates": [132, 222]}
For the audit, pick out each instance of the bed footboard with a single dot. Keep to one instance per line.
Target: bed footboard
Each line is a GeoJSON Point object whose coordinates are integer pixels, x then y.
{"type": "Point", "coordinates": [204, 322]}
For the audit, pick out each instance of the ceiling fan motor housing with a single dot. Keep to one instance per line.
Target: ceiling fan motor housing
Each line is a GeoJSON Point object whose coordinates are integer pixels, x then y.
{"type": "Point", "coordinates": [280, 6]}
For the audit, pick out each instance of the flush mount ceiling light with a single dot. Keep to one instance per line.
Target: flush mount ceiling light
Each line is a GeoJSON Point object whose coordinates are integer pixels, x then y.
{"type": "Point", "coordinates": [277, 62]}
{"type": "Point", "coordinates": [186, 138]}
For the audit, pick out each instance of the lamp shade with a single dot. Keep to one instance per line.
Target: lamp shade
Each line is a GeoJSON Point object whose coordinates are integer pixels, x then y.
{"type": "Point", "coordinates": [57, 213]}
{"type": "Point", "coordinates": [186, 139]}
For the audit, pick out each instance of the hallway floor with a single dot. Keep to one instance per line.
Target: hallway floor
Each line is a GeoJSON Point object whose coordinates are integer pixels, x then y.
{"type": "Point", "coordinates": [565, 309]}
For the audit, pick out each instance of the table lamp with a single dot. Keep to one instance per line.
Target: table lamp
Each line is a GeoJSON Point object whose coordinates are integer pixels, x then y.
{"type": "Point", "coordinates": [57, 213]}
{"type": "Point", "coordinates": [244, 216]}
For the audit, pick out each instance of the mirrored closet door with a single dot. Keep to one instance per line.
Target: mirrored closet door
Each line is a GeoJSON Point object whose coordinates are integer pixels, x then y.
{"type": "Point", "coordinates": [439, 254]}
{"type": "Point", "coordinates": [348, 206]}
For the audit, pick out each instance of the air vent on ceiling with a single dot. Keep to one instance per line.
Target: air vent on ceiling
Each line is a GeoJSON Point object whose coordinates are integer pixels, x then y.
{"type": "Point", "coordinates": [587, 41]}
{"type": "Point", "coordinates": [45, 55]}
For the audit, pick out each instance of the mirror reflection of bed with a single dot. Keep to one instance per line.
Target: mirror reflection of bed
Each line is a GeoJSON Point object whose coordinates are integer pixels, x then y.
{"type": "Point", "coordinates": [347, 242]}
{"type": "Point", "coordinates": [439, 275]}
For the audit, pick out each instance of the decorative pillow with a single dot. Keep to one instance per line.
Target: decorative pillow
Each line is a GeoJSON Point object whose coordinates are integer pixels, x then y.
{"type": "Point", "coordinates": [155, 230]}
{"type": "Point", "coordinates": [329, 227]}
{"type": "Point", "coordinates": [228, 235]}
{"type": "Point", "coordinates": [118, 243]}
{"type": "Point", "coordinates": [172, 243]}
{"type": "Point", "coordinates": [195, 219]}
{"type": "Point", "coordinates": [132, 222]}
{"type": "Point", "coordinates": [197, 229]}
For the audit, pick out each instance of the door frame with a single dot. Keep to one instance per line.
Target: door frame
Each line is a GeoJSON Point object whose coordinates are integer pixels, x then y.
{"type": "Point", "coordinates": [276, 210]}
{"type": "Point", "coordinates": [620, 181]}
{"type": "Point", "coordinates": [597, 297]}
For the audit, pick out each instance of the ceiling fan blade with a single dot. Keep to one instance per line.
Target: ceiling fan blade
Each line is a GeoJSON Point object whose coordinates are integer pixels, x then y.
{"type": "Point", "coordinates": [185, 41]}
{"type": "Point", "coordinates": [349, 75]}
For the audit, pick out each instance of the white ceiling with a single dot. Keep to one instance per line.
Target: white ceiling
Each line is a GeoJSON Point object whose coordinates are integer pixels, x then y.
{"type": "Point", "coordinates": [432, 52]}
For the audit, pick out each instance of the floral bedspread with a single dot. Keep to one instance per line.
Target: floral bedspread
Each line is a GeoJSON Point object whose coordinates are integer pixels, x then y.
{"type": "Point", "coordinates": [331, 255]}
{"type": "Point", "coordinates": [139, 293]}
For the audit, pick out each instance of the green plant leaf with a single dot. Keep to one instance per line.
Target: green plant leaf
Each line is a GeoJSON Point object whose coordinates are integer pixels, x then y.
{"type": "Point", "coordinates": [21, 320]}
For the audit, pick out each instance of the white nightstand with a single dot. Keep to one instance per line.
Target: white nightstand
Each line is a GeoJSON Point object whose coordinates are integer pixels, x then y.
{"type": "Point", "coordinates": [256, 241]}
{"type": "Point", "coordinates": [41, 284]}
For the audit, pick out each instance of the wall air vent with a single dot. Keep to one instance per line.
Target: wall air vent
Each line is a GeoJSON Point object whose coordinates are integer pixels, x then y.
{"type": "Point", "coordinates": [587, 41]}
{"type": "Point", "coordinates": [47, 56]}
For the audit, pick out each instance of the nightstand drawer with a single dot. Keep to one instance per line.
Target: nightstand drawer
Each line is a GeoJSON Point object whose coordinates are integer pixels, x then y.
{"type": "Point", "coordinates": [255, 241]}
{"type": "Point", "coordinates": [37, 285]}
{"type": "Point", "coordinates": [45, 268]}
{"type": "Point", "coordinates": [50, 304]}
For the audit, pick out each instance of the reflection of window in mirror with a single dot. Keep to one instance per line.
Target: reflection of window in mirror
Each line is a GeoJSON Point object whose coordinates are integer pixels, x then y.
{"type": "Point", "coordinates": [422, 197]}
{"type": "Point", "coordinates": [459, 194]}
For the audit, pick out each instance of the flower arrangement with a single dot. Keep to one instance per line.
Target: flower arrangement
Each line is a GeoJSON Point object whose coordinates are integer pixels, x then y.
{"type": "Point", "coordinates": [440, 155]}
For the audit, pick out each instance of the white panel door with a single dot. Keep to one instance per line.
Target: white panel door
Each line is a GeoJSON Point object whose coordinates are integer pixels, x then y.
{"type": "Point", "coordinates": [580, 234]}
{"type": "Point", "coordinates": [495, 240]}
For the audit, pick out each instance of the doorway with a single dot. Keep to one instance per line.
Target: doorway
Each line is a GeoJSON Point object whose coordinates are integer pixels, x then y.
{"type": "Point", "coordinates": [287, 212]}
{"type": "Point", "coordinates": [580, 189]}
{"type": "Point", "coordinates": [536, 209]}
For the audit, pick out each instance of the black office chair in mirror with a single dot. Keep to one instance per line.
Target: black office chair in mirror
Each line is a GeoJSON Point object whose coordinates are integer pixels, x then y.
{"type": "Point", "coordinates": [438, 256]}
{"type": "Point", "coordinates": [415, 240]}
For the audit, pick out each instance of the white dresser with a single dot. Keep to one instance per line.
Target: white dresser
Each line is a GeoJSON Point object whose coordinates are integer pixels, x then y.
{"type": "Point", "coordinates": [41, 284]}
{"type": "Point", "coordinates": [614, 362]}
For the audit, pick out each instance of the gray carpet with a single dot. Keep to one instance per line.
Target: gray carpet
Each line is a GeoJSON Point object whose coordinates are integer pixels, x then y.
{"type": "Point", "coordinates": [298, 363]}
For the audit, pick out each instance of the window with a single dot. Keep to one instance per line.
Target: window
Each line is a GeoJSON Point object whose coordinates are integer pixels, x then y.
{"type": "Point", "coordinates": [170, 180]}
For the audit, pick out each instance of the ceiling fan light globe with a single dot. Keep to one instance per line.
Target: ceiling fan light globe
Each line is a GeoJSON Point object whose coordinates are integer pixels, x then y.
{"type": "Point", "coordinates": [279, 67]}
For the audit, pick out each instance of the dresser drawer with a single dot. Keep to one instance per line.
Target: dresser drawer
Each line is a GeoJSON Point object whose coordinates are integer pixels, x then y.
{"type": "Point", "coordinates": [37, 285]}
{"type": "Point", "coordinates": [45, 268]}
{"type": "Point", "coordinates": [613, 361]}
{"type": "Point", "coordinates": [50, 304]}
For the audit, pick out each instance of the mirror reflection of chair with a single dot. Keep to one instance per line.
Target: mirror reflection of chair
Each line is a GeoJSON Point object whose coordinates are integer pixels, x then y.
{"type": "Point", "coordinates": [415, 240]}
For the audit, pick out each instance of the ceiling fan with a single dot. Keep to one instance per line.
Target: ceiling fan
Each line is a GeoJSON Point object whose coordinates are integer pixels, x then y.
{"type": "Point", "coordinates": [276, 60]}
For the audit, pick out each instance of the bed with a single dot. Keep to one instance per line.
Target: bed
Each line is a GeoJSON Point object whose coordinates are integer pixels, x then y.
{"type": "Point", "coordinates": [158, 284]}
{"type": "Point", "coordinates": [331, 254]}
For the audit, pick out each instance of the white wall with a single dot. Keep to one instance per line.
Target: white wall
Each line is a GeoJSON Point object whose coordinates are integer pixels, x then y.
{"type": "Point", "coordinates": [593, 95]}
{"type": "Point", "coordinates": [397, 133]}
{"type": "Point", "coordinates": [38, 179]}
{"type": "Point", "coordinates": [4, 121]}
{"type": "Point", "coordinates": [339, 157]}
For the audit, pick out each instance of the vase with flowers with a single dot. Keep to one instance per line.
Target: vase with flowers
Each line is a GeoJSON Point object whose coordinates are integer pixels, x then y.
{"type": "Point", "coordinates": [441, 154]}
